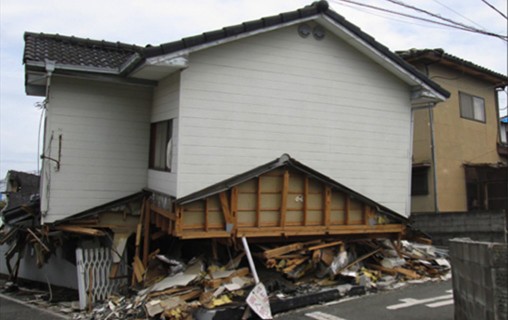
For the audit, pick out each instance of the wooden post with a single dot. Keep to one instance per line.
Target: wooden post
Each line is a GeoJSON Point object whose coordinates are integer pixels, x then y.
{"type": "Point", "coordinates": [228, 219]}
{"type": "Point", "coordinates": [305, 199]}
{"type": "Point", "coordinates": [258, 203]}
{"type": "Point", "coordinates": [365, 210]}
{"type": "Point", "coordinates": [346, 209]}
{"type": "Point", "coordinates": [146, 232]}
{"type": "Point", "coordinates": [284, 199]}
{"type": "Point", "coordinates": [206, 214]}
{"type": "Point", "coordinates": [327, 205]}
{"type": "Point", "coordinates": [234, 207]}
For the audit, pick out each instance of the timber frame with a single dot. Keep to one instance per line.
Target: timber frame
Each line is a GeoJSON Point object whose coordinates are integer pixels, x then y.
{"type": "Point", "coordinates": [281, 198]}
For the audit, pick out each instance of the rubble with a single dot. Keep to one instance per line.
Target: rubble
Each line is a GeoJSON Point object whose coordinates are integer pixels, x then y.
{"type": "Point", "coordinates": [295, 274]}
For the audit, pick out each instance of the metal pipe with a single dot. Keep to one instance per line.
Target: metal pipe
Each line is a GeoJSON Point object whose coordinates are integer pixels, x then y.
{"type": "Point", "coordinates": [433, 154]}
{"type": "Point", "coordinates": [251, 261]}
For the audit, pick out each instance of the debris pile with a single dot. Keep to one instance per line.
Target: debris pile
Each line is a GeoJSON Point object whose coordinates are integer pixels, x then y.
{"type": "Point", "coordinates": [173, 289]}
{"type": "Point", "coordinates": [367, 261]}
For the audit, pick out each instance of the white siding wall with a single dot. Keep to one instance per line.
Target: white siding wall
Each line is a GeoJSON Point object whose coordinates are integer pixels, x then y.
{"type": "Point", "coordinates": [245, 103]}
{"type": "Point", "coordinates": [104, 155]}
{"type": "Point", "coordinates": [165, 107]}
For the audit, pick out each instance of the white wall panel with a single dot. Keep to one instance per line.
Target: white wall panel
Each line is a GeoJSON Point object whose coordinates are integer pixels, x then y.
{"type": "Point", "coordinates": [104, 145]}
{"type": "Point", "coordinates": [245, 103]}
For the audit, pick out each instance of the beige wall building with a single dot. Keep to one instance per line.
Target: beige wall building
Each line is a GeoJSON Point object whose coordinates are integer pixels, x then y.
{"type": "Point", "coordinates": [458, 161]}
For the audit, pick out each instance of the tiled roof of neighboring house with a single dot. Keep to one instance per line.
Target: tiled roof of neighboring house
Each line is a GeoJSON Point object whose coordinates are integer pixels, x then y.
{"type": "Point", "coordinates": [26, 184]}
{"type": "Point", "coordinates": [77, 51]}
{"type": "Point", "coordinates": [122, 57]}
{"type": "Point", "coordinates": [440, 56]}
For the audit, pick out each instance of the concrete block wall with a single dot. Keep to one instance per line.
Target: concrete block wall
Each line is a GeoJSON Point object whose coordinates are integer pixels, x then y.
{"type": "Point", "coordinates": [480, 279]}
{"type": "Point", "coordinates": [479, 226]}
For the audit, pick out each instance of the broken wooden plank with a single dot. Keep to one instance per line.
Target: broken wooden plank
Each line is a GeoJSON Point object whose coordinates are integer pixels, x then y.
{"type": "Point", "coordinates": [146, 232]}
{"type": "Point", "coordinates": [393, 271]}
{"type": "Point", "coordinates": [292, 264]}
{"type": "Point", "coordinates": [282, 250]}
{"type": "Point", "coordinates": [365, 256]}
{"type": "Point", "coordinates": [325, 245]}
{"type": "Point", "coordinates": [80, 230]}
{"type": "Point", "coordinates": [138, 268]}
{"type": "Point", "coordinates": [38, 240]}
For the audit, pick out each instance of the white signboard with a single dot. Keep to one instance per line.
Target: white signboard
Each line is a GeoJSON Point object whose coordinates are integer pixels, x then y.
{"type": "Point", "coordinates": [258, 301]}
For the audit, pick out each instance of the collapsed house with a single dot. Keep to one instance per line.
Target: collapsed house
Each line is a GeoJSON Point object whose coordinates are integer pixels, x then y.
{"type": "Point", "coordinates": [140, 143]}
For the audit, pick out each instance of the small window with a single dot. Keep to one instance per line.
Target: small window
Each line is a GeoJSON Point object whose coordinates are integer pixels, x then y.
{"type": "Point", "coordinates": [160, 145]}
{"type": "Point", "coordinates": [472, 107]}
{"type": "Point", "coordinates": [419, 181]}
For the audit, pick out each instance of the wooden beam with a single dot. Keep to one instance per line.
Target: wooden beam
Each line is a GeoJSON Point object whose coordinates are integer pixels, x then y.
{"type": "Point", "coordinates": [284, 198]}
{"type": "Point", "coordinates": [165, 213]}
{"type": "Point", "coordinates": [305, 199]}
{"type": "Point", "coordinates": [320, 230]}
{"type": "Point", "coordinates": [282, 250]}
{"type": "Point", "coordinates": [80, 230]}
{"type": "Point", "coordinates": [325, 245]}
{"type": "Point", "coordinates": [327, 205]}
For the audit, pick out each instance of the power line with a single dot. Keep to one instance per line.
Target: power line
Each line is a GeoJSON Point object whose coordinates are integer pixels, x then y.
{"type": "Point", "coordinates": [455, 26]}
{"type": "Point", "coordinates": [405, 5]}
{"type": "Point", "coordinates": [495, 9]}
{"type": "Point", "coordinates": [459, 14]}
{"type": "Point", "coordinates": [390, 17]}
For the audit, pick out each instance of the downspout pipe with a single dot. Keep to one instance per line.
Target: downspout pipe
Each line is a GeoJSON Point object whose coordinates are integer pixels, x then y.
{"type": "Point", "coordinates": [433, 143]}
{"type": "Point", "coordinates": [50, 68]}
{"type": "Point", "coordinates": [430, 108]}
{"type": "Point", "coordinates": [434, 162]}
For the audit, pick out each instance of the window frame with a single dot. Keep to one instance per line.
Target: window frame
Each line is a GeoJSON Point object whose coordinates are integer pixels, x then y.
{"type": "Point", "coordinates": [472, 99]}
{"type": "Point", "coordinates": [159, 163]}
{"type": "Point", "coordinates": [423, 172]}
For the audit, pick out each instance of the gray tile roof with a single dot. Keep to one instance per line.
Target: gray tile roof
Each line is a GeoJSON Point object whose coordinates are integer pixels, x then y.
{"type": "Point", "coordinates": [440, 56]}
{"type": "Point", "coordinates": [110, 55]}
{"type": "Point", "coordinates": [77, 51]}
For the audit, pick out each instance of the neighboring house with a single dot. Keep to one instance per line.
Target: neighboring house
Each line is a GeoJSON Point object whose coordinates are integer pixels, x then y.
{"type": "Point", "coordinates": [181, 116]}
{"type": "Point", "coordinates": [504, 131]}
{"type": "Point", "coordinates": [459, 158]}
{"type": "Point", "coordinates": [22, 197]}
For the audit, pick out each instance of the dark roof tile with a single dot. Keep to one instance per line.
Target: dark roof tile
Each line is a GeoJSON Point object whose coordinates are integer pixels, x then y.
{"type": "Point", "coordinates": [76, 51]}
{"type": "Point", "coordinates": [101, 54]}
{"type": "Point", "coordinates": [439, 55]}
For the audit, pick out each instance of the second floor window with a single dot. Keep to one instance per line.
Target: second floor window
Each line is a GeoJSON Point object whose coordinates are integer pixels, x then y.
{"type": "Point", "coordinates": [160, 145]}
{"type": "Point", "coordinates": [472, 107]}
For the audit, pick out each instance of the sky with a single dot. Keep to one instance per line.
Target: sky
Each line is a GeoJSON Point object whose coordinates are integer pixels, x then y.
{"type": "Point", "coordinates": [154, 22]}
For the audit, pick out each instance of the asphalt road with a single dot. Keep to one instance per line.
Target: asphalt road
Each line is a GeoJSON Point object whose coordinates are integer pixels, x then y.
{"type": "Point", "coordinates": [414, 302]}
{"type": "Point", "coordinates": [13, 310]}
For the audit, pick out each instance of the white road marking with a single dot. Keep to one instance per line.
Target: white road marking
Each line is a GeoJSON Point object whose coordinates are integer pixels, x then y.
{"type": "Point", "coordinates": [440, 304]}
{"type": "Point", "coordinates": [409, 302]}
{"type": "Point", "coordinates": [322, 316]}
